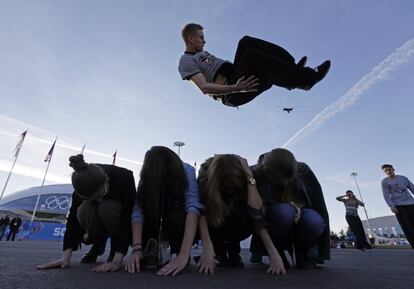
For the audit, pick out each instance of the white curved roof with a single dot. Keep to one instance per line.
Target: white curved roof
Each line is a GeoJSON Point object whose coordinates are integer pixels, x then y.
{"type": "Point", "coordinates": [34, 191]}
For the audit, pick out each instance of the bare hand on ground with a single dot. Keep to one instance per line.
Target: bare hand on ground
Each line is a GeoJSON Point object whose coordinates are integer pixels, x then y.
{"type": "Point", "coordinates": [276, 266]}
{"type": "Point", "coordinates": [107, 267]}
{"type": "Point", "coordinates": [131, 263]}
{"type": "Point", "coordinates": [206, 263]}
{"type": "Point", "coordinates": [61, 263]}
{"type": "Point", "coordinates": [174, 266]}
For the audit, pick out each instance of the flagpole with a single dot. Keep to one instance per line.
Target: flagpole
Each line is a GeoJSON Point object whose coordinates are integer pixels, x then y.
{"type": "Point", "coordinates": [16, 155]}
{"type": "Point", "coordinates": [7, 181]}
{"type": "Point", "coordinates": [49, 160]}
{"type": "Point", "coordinates": [38, 196]}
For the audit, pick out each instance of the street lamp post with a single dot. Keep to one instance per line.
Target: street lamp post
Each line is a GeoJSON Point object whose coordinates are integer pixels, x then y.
{"type": "Point", "coordinates": [179, 144]}
{"type": "Point", "coordinates": [370, 232]}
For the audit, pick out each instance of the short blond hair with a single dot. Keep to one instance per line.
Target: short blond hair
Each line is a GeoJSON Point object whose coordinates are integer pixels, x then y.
{"type": "Point", "coordinates": [189, 30]}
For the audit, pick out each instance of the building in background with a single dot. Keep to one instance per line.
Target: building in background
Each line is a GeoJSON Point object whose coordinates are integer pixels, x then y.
{"type": "Point", "coordinates": [54, 203]}
{"type": "Point", "coordinates": [386, 226]}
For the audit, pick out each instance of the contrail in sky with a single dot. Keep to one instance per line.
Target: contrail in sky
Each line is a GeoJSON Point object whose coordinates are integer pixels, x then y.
{"type": "Point", "coordinates": [401, 55]}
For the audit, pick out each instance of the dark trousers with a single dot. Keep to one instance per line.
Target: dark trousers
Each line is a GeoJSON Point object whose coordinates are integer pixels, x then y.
{"type": "Point", "coordinates": [2, 230]}
{"type": "Point", "coordinates": [173, 227]}
{"type": "Point", "coordinates": [12, 234]}
{"type": "Point", "coordinates": [405, 217]}
{"type": "Point", "coordinates": [226, 238]}
{"type": "Point", "coordinates": [270, 63]}
{"type": "Point", "coordinates": [357, 229]}
{"type": "Point", "coordinates": [100, 220]}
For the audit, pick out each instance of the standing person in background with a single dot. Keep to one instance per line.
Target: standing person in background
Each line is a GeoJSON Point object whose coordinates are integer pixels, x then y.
{"type": "Point", "coordinates": [101, 207]}
{"type": "Point", "coordinates": [351, 205]}
{"type": "Point", "coordinates": [4, 222]}
{"type": "Point", "coordinates": [398, 193]}
{"type": "Point", "coordinates": [14, 227]}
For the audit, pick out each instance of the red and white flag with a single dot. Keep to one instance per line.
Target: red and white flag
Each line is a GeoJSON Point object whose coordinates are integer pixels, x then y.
{"type": "Point", "coordinates": [114, 155]}
{"type": "Point", "coordinates": [19, 144]}
{"type": "Point", "coordinates": [48, 157]}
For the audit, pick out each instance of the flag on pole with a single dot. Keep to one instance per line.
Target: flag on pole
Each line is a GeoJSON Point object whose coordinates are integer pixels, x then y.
{"type": "Point", "coordinates": [19, 144]}
{"type": "Point", "coordinates": [114, 155]}
{"type": "Point", "coordinates": [83, 149]}
{"type": "Point", "coordinates": [50, 153]}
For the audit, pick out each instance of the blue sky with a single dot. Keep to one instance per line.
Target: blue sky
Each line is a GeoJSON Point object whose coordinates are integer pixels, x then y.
{"type": "Point", "coordinates": [105, 73]}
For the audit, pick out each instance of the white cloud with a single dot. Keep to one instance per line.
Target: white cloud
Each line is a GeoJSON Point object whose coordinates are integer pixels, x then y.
{"type": "Point", "coordinates": [402, 55]}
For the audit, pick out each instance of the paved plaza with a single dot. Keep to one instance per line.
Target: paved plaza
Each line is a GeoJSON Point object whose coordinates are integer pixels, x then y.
{"type": "Point", "coordinates": [378, 268]}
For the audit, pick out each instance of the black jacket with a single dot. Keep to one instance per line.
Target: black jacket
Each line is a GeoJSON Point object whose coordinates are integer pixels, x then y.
{"type": "Point", "coordinates": [121, 188]}
{"type": "Point", "coordinates": [15, 224]}
{"type": "Point", "coordinates": [310, 192]}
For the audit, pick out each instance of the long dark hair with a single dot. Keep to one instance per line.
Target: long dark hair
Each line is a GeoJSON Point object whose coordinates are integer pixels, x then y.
{"type": "Point", "coordinates": [279, 166]}
{"type": "Point", "coordinates": [162, 182]}
{"type": "Point", "coordinates": [222, 185]}
{"type": "Point", "coordinates": [87, 179]}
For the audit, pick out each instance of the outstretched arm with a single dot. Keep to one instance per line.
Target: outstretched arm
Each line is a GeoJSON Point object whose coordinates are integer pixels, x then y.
{"type": "Point", "coordinates": [206, 263]}
{"type": "Point", "coordinates": [179, 262]}
{"type": "Point", "coordinates": [132, 262]}
{"type": "Point", "coordinates": [242, 85]}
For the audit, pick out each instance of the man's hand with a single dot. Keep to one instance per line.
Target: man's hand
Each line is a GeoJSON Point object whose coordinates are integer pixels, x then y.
{"type": "Point", "coordinates": [247, 85]}
{"type": "Point", "coordinates": [394, 210]}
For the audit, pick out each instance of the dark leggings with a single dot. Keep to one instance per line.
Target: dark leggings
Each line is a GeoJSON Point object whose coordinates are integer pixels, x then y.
{"type": "Point", "coordinates": [226, 238]}
{"type": "Point", "coordinates": [173, 226]}
{"type": "Point", "coordinates": [357, 229]}
{"type": "Point", "coordinates": [270, 63]}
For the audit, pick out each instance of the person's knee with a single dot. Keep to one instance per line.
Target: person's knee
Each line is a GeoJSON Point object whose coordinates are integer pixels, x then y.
{"type": "Point", "coordinates": [109, 213]}
{"type": "Point", "coordinates": [281, 218]}
{"type": "Point", "coordinates": [245, 40]}
{"type": "Point", "coordinates": [85, 211]}
{"type": "Point", "coordinates": [312, 223]}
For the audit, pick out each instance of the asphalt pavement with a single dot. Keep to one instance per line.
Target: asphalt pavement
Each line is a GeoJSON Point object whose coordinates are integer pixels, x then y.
{"type": "Point", "coordinates": [378, 268]}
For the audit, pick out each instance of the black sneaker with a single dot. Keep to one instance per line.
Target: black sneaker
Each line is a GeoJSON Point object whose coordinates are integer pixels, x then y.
{"type": "Point", "coordinates": [222, 261]}
{"type": "Point", "coordinates": [150, 260]}
{"type": "Point", "coordinates": [92, 255]}
{"type": "Point", "coordinates": [302, 61]}
{"type": "Point", "coordinates": [236, 261]}
{"type": "Point", "coordinates": [321, 71]}
{"type": "Point", "coordinates": [256, 258]}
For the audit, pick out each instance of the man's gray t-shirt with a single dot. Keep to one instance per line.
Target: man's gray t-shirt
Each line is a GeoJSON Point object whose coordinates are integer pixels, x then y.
{"type": "Point", "coordinates": [191, 64]}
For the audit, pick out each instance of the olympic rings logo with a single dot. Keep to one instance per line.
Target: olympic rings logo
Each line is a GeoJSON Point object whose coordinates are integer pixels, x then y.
{"type": "Point", "coordinates": [55, 202]}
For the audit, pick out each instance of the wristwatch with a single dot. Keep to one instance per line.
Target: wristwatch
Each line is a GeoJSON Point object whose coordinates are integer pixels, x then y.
{"type": "Point", "coordinates": [251, 180]}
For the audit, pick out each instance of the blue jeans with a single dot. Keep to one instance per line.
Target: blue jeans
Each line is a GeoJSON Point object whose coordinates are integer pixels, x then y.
{"type": "Point", "coordinates": [282, 227]}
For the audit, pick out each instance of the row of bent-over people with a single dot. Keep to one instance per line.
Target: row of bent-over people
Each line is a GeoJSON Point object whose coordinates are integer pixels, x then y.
{"type": "Point", "coordinates": [278, 202]}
